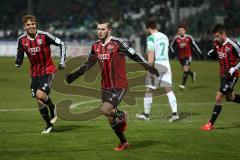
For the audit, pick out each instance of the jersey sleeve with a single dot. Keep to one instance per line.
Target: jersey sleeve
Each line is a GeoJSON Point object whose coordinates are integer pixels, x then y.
{"type": "Point", "coordinates": [90, 61]}
{"type": "Point", "coordinates": [132, 53]}
{"type": "Point", "coordinates": [57, 42]}
{"type": "Point", "coordinates": [195, 45]}
{"type": "Point", "coordinates": [236, 48]}
{"type": "Point", "coordinates": [150, 43]}
{"type": "Point", "coordinates": [236, 51]}
{"type": "Point", "coordinates": [20, 54]}
{"type": "Point", "coordinates": [172, 44]}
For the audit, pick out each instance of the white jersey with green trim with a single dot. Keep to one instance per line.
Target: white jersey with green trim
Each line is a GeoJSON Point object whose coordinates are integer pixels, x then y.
{"type": "Point", "coordinates": [159, 43]}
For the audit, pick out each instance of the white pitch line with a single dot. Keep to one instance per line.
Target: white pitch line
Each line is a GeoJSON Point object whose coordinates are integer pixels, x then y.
{"type": "Point", "coordinates": [92, 101]}
{"type": "Point", "coordinates": [14, 110]}
{"type": "Point", "coordinates": [82, 103]}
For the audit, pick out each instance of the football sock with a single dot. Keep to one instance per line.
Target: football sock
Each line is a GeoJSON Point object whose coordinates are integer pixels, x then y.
{"type": "Point", "coordinates": [51, 106]}
{"type": "Point", "coordinates": [237, 98]}
{"type": "Point", "coordinates": [184, 79]}
{"type": "Point", "coordinates": [216, 111]}
{"type": "Point", "coordinates": [147, 103]}
{"type": "Point", "coordinates": [45, 116]}
{"type": "Point", "coordinates": [190, 73]}
{"type": "Point", "coordinates": [118, 115]}
{"type": "Point", "coordinates": [172, 101]}
{"type": "Point", "coordinates": [119, 134]}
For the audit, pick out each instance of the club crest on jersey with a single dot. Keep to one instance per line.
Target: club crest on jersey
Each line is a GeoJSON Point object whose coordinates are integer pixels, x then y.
{"type": "Point", "coordinates": [39, 41]}
{"type": "Point", "coordinates": [103, 56]}
{"type": "Point", "coordinates": [110, 47]}
{"type": "Point", "coordinates": [227, 49]}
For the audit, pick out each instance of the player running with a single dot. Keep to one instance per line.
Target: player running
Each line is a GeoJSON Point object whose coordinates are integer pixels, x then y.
{"type": "Point", "coordinates": [228, 53]}
{"type": "Point", "coordinates": [157, 53]}
{"type": "Point", "coordinates": [36, 44]}
{"type": "Point", "coordinates": [184, 43]}
{"type": "Point", "coordinates": [110, 54]}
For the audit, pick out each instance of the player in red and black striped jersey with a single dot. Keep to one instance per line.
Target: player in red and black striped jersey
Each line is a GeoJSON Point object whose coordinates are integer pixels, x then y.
{"type": "Point", "coordinates": [228, 52]}
{"type": "Point", "coordinates": [36, 44]}
{"type": "Point", "coordinates": [110, 53]}
{"type": "Point", "coordinates": [183, 44]}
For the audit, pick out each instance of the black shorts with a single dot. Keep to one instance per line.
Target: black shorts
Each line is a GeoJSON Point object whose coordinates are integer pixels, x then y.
{"type": "Point", "coordinates": [186, 61]}
{"type": "Point", "coordinates": [113, 96]}
{"type": "Point", "coordinates": [42, 83]}
{"type": "Point", "coordinates": [227, 84]}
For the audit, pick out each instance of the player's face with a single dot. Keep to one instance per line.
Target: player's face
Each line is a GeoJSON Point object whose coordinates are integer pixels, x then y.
{"type": "Point", "coordinates": [181, 31]}
{"type": "Point", "coordinates": [149, 30]}
{"type": "Point", "coordinates": [220, 37]}
{"type": "Point", "coordinates": [103, 31]}
{"type": "Point", "coordinates": [30, 27]}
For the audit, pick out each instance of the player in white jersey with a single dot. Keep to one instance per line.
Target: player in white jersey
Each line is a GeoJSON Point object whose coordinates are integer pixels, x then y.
{"type": "Point", "coordinates": [157, 54]}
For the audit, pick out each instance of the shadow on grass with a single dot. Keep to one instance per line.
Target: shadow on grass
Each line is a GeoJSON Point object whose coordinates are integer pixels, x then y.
{"type": "Point", "coordinates": [143, 143]}
{"type": "Point", "coordinates": [234, 125]}
{"type": "Point", "coordinates": [4, 79]}
{"type": "Point", "coordinates": [198, 87]}
{"type": "Point", "coordinates": [68, 128]}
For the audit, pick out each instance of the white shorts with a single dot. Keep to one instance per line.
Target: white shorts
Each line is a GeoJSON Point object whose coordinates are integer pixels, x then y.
{"type": "Point", "coordinates": [164, 80]}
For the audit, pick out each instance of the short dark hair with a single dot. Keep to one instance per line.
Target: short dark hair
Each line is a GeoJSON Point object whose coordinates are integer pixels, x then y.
{"type": "Point", "coordinates": [182, 26]}
{"type": "Point", "coordinates": [107, 21]}
{"type": "Point", "coordinates": [151, 24]}
{"type": "Point", "coordinates": [218, 28]}
{"type": "Point", "coordinates": [28, 17]}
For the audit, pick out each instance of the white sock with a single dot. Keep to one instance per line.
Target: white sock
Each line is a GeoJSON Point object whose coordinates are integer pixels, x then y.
{"type": "Point", "coordinates": [147, 103]}
{"type": "Point", "coordinates": [172, 101]}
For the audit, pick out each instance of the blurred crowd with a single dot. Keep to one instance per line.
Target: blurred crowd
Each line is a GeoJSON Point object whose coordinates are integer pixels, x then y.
{"type": "Point", "coordinates": [74, 20]}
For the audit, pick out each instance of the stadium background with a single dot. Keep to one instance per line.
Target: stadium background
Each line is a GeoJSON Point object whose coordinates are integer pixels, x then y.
{"type": "Point", "coordinates": [74, 22]}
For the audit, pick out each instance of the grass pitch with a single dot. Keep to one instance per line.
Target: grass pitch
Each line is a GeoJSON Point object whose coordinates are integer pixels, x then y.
{"type": "Point", "coordinates": [21, 124]}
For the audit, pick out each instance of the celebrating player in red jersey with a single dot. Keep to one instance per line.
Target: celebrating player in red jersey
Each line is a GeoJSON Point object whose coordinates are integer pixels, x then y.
{"type": "Point", "coordinates": [228, 53]}
{"type": "Point", "coordinates": [110, 53]}
{"type": "Point", "coordinates": [184, 43]}
{"type": "Point", "coordinates": [36, 44]}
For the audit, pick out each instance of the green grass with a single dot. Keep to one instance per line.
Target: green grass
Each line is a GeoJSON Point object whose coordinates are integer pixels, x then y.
{"type": "Point", "coordinates": [20, 136]}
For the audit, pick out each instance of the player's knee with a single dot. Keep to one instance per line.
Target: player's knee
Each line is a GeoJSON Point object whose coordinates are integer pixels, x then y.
{"type": "Point", "coordinates": [40, 95]}
{"type": "Point", "coordinates": [105, 111]}
{"type": "Point", "coordinates": [218, 99]}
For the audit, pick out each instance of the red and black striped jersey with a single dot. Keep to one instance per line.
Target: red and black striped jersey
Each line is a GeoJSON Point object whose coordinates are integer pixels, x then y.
{"type": "Point", "coordinates": [39, 52]}
{"type": "Point", "coordinates": [112, 62]}
{"type": "Point", "coordinates": [228, 55]}
{"type": "Point", "coordinates": [184, 46]}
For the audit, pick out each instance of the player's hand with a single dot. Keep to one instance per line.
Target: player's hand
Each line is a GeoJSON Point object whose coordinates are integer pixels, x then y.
{"type": "Point", "coordinates": [71, 77]}
{"type": "Point", "coordinates": [61, 66]}
{"type": "Point", "coordinates": [232, 70]}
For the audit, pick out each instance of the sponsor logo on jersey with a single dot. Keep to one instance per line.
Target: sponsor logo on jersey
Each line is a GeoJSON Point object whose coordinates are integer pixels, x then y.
{"type": "Point", "coordinates": [34, 50]}
{"type": "Point", "coordinates": [182, 45]}
{"type": "Point", "coordinates": [103, 56]}
{"type": "Point", "coordinates": [221, 55]}
{"type": "Point", "coordinates": [131, 50]}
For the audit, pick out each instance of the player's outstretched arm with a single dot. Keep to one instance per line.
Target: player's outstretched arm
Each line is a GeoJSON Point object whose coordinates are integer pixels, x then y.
{"type": "Point", "coordinates": [79, 72]}
{"type": "Point", "coordinates": [138, 58]}
{"type": "Point", "coordinates": [57, 42]}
